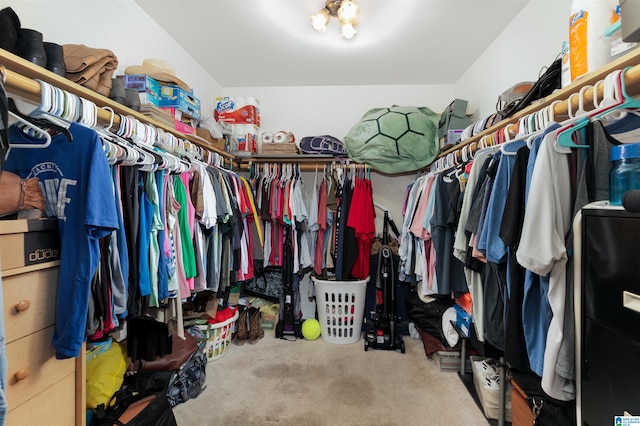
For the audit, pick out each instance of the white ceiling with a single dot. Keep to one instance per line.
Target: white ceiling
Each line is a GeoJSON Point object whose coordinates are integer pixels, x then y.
{"type": "Point", "coordinates": [247, 43]}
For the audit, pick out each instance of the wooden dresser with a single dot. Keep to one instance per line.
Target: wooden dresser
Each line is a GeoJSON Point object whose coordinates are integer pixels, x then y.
{"type": "Point", "coordinates": [40, 388]}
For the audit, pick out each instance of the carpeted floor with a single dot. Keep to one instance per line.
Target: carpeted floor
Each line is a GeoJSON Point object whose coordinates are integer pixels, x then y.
{"type": "Point", "coordinates": [314, 383]}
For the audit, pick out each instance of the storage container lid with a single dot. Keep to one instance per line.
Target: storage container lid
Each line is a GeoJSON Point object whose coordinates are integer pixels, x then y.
{"type": "Point", "coordinates": [624, 151]}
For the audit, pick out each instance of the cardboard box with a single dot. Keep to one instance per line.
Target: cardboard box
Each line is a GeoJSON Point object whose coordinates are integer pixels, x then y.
{"type": "Point", "coordinates": [147, 87]}
{"type": "Point", "coordinates": [206, 135]}
{"type": "Point", "coordinates": [178, 114]}
{"type": "Point", "coordinates": [172, 96]}
{"type": "Point", "coordinates": [28, 242]}
{"type": "Point", "coordinates": [149, 99]}
{"type": "Point", "coordinates": [141, 83]}
{"type": "Point", "coordinates": [183, 127]}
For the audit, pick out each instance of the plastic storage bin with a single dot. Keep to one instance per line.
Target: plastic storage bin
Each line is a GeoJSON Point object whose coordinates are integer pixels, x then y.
{"type": "Point", "coordinates": [340, 307]}
{"type": "Point", "coordinates": [218, 337]}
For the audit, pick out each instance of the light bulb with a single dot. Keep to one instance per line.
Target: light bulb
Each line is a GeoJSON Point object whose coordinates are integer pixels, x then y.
{"type": "Point", "coordinates": [320, 20]}
{"type": "Point", "coordinates": [348, 11]}
{"type": "Point", "coordinates": [348, 31]}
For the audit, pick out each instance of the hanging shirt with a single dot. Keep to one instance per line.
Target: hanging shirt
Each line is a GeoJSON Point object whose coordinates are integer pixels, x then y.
{"type": "Point", "coordinates": [536, 312]}
{"type": "Point", "coordinates": [144, 235]}
{"type": "Point", "coordinates": [75, 180]}
{"type": "Point", "coordinates": [449, 269]}
{"type": "Point", "coordinates": [362, 220]}
{"type": "Point", "coordinates": [542, 248]}
{"type": "Point", "coordinates": [188, 256]}
{"type": "Point", "coordinates": [120, 255]}
{"type": "Point", "coordinates": [320, 247]}
{"type": "Point", "coordinates": [515, 350]}
{"type": "Point", "coordinates": [131, 217]}
{"type": "Point", "coordinates": [163, 261]}
{"type": "Point", "coordinates": [151, 190]}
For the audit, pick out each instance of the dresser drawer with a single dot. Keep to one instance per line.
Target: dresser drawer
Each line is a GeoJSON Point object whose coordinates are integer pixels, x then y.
{"type": "Point", "coordinates": [55, 406]}
{"type": "Point", "coordinates": [611, 268]}
{"type": "Point", "coordinates": [610, 374]}
{"type": "Point", "coordinates": [33, 358]}
{"type": "Point", "coordinates": [29, 302]}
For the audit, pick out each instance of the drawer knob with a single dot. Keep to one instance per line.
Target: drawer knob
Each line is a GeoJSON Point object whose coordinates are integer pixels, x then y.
{"type": "Point", "coordinates": [21, 374]}
{"type": "Point", "coordinates": [22, 305]}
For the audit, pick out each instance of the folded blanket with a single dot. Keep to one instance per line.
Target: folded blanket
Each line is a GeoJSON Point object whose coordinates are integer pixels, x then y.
{"type": "Point", "coordinates": [89, 67]}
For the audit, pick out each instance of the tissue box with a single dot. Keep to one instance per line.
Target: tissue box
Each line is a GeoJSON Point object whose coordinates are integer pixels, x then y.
{"type": "Point", "coordinates": [172, 96]}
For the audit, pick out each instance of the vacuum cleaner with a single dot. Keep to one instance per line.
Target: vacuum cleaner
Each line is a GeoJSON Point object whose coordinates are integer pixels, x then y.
{"type": "Point", "coordinates": [383, 334]}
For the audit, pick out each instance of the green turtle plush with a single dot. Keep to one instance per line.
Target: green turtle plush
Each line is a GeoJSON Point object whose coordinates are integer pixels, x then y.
{"type": "Point", "coordinates": [395, 140]}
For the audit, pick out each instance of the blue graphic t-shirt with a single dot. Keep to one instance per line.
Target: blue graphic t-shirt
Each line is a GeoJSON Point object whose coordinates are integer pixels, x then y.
{"type": "Point", "coordinates": [75, 179]}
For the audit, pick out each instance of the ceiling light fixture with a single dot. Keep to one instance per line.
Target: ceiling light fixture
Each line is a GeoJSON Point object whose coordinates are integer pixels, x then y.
{"type": "Point", "coordinates": [346, 11]}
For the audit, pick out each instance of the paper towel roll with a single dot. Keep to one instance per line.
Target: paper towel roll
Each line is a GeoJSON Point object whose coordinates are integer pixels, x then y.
{"type": "Point", "coordinates": [281, 137]}
{"type": "Point", "coordinates": [266, 137]}
{"type": "Point", "coordinates": [239, 102]}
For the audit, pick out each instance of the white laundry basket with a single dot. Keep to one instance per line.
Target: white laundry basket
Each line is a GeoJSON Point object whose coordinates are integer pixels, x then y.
{"type": "Point", "coordinates": [340, 307]}
{"type": "Point", "coordinates": [218, 337]}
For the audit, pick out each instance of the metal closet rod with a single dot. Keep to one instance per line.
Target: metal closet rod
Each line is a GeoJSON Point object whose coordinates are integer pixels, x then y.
{"type": "Point", "coordinates": [561, 108]}
{"type": "Point", "coordinates": [31, 89]}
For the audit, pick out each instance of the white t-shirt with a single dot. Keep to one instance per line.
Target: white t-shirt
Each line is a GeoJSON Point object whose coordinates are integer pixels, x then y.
{"type": "Point", "coordinates": [542, 249]}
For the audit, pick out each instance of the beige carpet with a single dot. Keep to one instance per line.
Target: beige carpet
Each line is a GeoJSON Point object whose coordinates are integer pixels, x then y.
{"type": "Point", "coordinates": [314, 383]}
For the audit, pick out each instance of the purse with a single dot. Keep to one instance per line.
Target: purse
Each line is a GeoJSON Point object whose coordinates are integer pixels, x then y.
{"type": "Point", "coordinates": [546, 85]}
{"type": "Point", "coordinates": [137, 403]}
{"type": "Point", "coordinates": [181, 351]}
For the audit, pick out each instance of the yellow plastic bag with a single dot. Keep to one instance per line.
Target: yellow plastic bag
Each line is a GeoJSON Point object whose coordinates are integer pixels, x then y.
{"type": "Point", "coordinates": [105, 374]}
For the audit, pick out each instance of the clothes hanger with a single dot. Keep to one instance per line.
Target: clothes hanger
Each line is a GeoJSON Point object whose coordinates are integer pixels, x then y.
{"type": "Point", "coordinates": [38, 123]}
{"type": "Point", "coordinates": [503, 146]}
{"type": "Point", "coordinates": [52, 104]}
{"type": "Point", "coordinates": [564, 134]}
{"type": "Point", "coordinates": [615, 97]}
{"type": "Point", "coordinates": [43, 133]}
{"type": "Point", "coordinates": [628, 103]}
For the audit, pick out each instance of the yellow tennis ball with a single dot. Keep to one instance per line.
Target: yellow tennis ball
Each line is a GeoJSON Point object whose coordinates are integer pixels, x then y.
{"type": "Point", "coordinates": [311, 329]}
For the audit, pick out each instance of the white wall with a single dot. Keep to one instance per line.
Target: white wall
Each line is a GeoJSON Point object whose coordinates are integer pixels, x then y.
{"type": "Point", "coordinates": [529, 43]}
{"type": "Point", "coordinates": [117, 25]}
